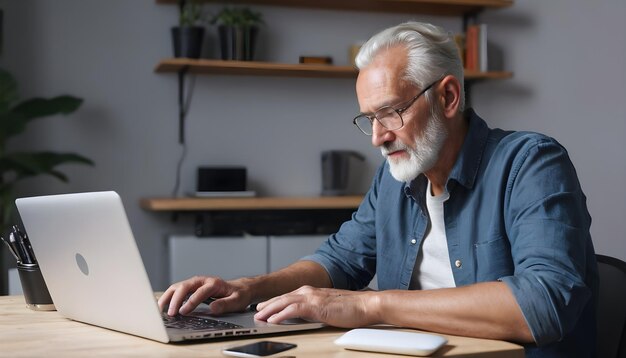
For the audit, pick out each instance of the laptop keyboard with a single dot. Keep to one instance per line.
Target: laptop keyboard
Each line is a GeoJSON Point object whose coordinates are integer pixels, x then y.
{"type": "Point", "coordinates": [196, 323]}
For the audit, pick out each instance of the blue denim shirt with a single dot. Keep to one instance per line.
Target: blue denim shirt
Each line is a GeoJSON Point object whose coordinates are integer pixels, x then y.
{"type": "Point", "coordinates": [516, 213]}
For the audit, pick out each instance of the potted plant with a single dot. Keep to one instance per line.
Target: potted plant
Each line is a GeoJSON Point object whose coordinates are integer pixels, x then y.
{"type": "Point", "coordinates": [237, 29]}
{"type": "Point", "coordinates": [187, 37]}
{"type": "Point", "coordinates": [15, 166]}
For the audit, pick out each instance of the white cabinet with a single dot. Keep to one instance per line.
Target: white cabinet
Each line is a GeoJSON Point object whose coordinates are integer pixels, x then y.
{"type": "Point", "coordinates": [285, 250]}
{"type": "Point", "coordinates": [233, 257]}
{"type": "Point", "coordinates": [226, 257]}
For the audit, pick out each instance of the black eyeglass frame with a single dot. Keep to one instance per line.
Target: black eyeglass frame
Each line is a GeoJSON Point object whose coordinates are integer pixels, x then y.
{"type": "Point", "coordinates": [399, 111]}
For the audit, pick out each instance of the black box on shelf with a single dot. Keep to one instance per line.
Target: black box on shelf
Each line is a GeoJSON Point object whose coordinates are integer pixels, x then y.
{"type": "Point", "coordinates": [219, 179]}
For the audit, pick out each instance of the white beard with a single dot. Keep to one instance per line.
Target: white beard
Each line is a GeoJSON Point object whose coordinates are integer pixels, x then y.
{"type": "Point", "coordinates": [423, 156]}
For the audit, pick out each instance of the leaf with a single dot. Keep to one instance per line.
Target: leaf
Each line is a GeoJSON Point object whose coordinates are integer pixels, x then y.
{"type": "Point", "coordinates": [42, 107]}
{"type": "Point", "coordinates": [8, 90]}
{"type": "Point", "coordinates": [6, 206]}
{"type": "Point", "coordinates": [31, 164]}
{"type": "Point", "coordinates": [191, 15]}
{"type": "Point", "coordinates": [11, 124]}
{"type": "Point", "coordinates": [237, 17]}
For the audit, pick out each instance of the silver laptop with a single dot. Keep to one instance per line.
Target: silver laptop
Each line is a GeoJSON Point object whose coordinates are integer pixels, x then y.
{"type": "Point", "coordinates": [94, 272]}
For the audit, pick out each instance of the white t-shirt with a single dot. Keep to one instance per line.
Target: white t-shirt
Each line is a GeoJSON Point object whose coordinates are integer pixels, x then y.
{"type": "Point", "coordinates": [432, 266]}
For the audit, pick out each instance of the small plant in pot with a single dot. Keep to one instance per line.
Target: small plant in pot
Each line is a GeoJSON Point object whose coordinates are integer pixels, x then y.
{"type": "Point", "coordinates": [238, 29]}
{"type": "Point", "coordinates": [187, 37]}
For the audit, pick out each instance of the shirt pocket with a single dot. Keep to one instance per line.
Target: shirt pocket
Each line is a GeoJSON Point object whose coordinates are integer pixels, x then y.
{"type": "Point", "coordinates": [493, 259]}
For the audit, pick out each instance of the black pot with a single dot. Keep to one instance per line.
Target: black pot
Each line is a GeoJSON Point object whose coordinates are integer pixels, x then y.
{"type": "Point", "coordinates": [237, 42]}
{"type": "Point", "coordinates": [187, 41]}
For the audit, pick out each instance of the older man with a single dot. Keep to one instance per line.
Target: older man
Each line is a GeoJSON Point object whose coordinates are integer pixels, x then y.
{"type": "Point", "coordinates": [471, 231]}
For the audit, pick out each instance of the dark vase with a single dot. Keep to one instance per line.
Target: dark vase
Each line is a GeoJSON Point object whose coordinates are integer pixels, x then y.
{"type": "Point", "coordinates": [187, 41]}
{"type": "Point", "coordinates": [237, 42]}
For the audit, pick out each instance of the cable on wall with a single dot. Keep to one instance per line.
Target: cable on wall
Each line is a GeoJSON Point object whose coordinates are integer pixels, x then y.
{"type": "Point", "coordinates": [183, 109]}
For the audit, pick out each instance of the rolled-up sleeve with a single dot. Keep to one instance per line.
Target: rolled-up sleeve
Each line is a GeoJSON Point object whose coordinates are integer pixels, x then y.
{"type": "Point", "coordinates": [349, 256]}
{"type": "Point", "coordinates": [548, 227]}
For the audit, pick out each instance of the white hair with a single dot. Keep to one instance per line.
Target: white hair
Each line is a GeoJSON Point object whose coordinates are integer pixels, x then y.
{"type": "Point", "coordinates": [432, 53]}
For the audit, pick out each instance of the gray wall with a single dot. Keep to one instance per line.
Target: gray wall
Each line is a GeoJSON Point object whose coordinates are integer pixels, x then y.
{"type": "Point", "coordinates": [569, 83]}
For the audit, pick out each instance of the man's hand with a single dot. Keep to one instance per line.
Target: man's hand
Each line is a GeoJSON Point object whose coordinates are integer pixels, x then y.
{"type": "Point", "coordinates": [230, 296]}
{"type": "Point", "coordinates": [236, 295]}
{"type": "Point", "coordinates": [339, 308]}
{"type": "Point", "coordinates": [484, 310]}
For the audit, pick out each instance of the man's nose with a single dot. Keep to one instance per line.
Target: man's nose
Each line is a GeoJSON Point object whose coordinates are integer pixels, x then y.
{"type": "Point", "coordinates": [380, 134]}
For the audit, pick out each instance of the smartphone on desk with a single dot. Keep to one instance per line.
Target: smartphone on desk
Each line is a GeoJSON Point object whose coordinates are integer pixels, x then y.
{"type": "Point", "coordinates": [258, 349]}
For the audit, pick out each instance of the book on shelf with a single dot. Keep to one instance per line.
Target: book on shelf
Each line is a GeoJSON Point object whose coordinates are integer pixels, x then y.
{"type": "Point", "coordinates": [476, 48]}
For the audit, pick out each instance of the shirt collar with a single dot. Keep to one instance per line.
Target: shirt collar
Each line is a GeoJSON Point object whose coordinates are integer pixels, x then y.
{"type": "Point", "coordinates": [466, 167]}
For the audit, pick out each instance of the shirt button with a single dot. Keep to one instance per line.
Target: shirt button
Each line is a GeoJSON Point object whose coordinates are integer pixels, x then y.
{"type": "Point", "coordinates": [413, 242]}
{"type": "Point", "coordinates": [458, 263]}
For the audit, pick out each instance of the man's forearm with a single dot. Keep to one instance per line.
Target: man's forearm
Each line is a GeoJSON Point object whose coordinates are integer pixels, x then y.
{"type": "Point", "coordinates": [287, 279]}
{"type": "Point", "coordinates": [486, 310]}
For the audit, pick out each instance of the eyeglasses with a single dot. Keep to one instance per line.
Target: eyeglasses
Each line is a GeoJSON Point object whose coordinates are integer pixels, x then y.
{"type": "Point", "coordinates": [388, 116]}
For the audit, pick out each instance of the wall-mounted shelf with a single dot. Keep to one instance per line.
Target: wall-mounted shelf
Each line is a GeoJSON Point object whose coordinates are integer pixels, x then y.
{"type": "Point", "coordinates": [234, 204]}
{"type": "Point", "coordinates": [255, 68]}
{"type": "Point", "coordinates": [432, 7]}
{"type": "Point", "coordinates": [261, 216]}
{"type": "Point", "coordinates": [468, 9]}
{"type": "Point", "coordinates": [211, 211]}
{"type": "Point", "coordinates": [219, 67]}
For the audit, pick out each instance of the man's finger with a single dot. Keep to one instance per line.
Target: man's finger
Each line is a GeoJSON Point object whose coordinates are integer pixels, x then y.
{"type": "Point", "coordinates": [164, 299]}
{"type": "Point", "coordinates": [275, 305]}
{"type": "Point", "coordinates": [232, 303]}
{"type": "Point", "coordinates": [294, 310]}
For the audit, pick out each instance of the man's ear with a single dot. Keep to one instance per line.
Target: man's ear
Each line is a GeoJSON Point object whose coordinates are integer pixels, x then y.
{"type": "Point", "coordinates": [450, 98]}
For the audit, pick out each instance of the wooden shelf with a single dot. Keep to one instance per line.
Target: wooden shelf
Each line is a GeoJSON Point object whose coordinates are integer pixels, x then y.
{"type": "Point", "coordinates": [491, 75]}
{"type": "Point", "coordinates": [233, 204]}
{"type": "Point", "coordinates": [432, 7]}
{"type": "Point", "coordinates": [219, 67]}
{"type": "Point", "coordinates": [255, 68]}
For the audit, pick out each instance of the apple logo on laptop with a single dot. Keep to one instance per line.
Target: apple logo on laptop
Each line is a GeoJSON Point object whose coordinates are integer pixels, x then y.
{"type": "Point", "coordinates": [82, 264]}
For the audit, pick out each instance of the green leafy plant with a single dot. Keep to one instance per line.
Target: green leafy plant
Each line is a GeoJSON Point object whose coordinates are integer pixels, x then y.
{"type": "Point", "coordinates": [14, 118]}
{"type": "Point", "coordinates": [191, 14]}
{"type": "Point", "coordinates": [237, 17]}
